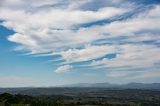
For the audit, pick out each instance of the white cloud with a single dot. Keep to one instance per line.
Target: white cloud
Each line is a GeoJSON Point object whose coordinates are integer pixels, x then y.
{"type": "Point", "coordinates": [88, 53]}
{"type": "Point", "coordinates": [44, 32]}
{"type": "Point", "coordinates": [25, 4]}
{"type": "Point", "coordinates": [147, 21]}
{"type": "Point", "coordinates": [132, 56]}
{"type": "Point", "coordinates": [144, 27]}
{"type": "Point", "coordinates": [44, 29]}
{"type": "Point", "coordinates": [63, 69]}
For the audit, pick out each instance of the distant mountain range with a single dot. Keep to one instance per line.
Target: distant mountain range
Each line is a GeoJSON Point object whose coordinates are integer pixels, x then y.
{"type": "Point", "coordinates": [77, 89]}
{"type": "Point", "coordinates": [125, 86]}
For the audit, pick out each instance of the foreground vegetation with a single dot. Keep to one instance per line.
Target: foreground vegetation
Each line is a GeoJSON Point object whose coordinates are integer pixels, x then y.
{"type": "Point", "coordinates": [101, 97]}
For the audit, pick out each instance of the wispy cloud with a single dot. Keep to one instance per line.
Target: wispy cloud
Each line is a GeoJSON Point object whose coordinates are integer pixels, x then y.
{"type": "Point", "coordinates": [57, 28]}
{"type": "Point", "coordinates": [63, 69]}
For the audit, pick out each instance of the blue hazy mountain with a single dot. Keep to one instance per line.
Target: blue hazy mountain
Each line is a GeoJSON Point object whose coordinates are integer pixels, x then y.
{"type": "Point", "coordinates": [125, 86]}
{"type": "Point", "coordinates": [74, 89]}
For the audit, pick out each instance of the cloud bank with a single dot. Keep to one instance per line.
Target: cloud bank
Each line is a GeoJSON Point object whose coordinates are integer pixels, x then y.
{"type": "Point", "coordinates": [80, 31]}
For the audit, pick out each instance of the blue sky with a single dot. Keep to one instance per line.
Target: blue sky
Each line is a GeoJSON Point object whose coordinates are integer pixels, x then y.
{"type": "Point", "coordinates": [57, 42]}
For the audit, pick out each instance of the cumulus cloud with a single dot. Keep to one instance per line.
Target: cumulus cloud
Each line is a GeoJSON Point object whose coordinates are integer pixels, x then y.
{"type": "Point", "coordinates": [56, 27]}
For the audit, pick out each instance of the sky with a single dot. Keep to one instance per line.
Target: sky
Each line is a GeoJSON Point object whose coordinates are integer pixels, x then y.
{"type": "Point", "coordinates": [59, 42]}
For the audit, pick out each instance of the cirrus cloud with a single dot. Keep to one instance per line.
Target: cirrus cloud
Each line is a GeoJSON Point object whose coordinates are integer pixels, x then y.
{"type": "Point", "coordinates": [56, 27]}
